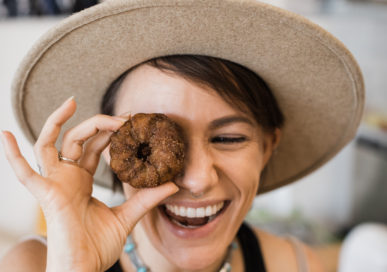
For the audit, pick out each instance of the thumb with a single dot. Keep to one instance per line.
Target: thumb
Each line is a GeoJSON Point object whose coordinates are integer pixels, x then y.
{"type": "Point", "coordinates": [133, 209]}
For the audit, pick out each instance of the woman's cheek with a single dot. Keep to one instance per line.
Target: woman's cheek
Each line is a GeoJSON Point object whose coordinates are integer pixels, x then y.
{"type": "Point", "coordinates": [244, 169]}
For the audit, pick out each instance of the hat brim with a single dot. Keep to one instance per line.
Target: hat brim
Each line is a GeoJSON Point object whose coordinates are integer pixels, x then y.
{"type": "Point", "coordinates": [314, 78]}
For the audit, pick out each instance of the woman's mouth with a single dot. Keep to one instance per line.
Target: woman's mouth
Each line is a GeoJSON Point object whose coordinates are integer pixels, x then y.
{"type": "Point", "coordinates": [192, 218]}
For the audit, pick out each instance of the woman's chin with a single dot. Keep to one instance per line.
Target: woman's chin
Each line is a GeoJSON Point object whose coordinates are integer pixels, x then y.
{"type": "Point", "coordinates": [195, 260]}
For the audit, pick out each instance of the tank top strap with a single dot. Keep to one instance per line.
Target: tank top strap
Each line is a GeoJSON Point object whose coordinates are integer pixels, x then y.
{"type": "Point", "coordinates": [301, 258]}
{"type": "Point", "coordinates": [251, 249]}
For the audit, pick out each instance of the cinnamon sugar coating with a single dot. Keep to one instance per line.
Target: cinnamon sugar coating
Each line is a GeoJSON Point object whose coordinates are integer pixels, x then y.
{"type": "Point", "coordinates": [147, 151]}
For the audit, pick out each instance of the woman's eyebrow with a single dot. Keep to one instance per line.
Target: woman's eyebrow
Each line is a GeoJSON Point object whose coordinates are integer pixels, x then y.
{"type": "Point", "coordinates": [221, 122]}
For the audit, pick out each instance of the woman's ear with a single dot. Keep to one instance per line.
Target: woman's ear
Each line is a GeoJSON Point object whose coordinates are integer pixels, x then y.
{"type": "Point", "coordinates": [270, 144]}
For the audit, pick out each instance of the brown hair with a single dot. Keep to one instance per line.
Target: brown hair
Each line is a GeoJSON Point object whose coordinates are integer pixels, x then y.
{"type": "Point", "coordinates": [237, 85]}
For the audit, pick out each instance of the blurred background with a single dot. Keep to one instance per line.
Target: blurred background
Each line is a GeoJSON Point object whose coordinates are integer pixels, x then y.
{"type": "Point", "coordinates": [321, 209]}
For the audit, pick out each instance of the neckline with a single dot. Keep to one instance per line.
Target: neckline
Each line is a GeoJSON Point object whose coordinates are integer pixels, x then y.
{"type": "Point", "coordinates": [249, 246]}
{"type": "Point", "coordinates": [140, 266]}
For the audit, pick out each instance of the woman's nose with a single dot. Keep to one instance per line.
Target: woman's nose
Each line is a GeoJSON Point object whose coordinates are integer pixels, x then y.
{"type": "Point", "coordinates": [199, 174]}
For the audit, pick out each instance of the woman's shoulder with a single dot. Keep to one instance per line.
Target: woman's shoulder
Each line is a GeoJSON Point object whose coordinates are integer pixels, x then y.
{"type": "Point", "coordinates": [287, 253]}
{"type": "Point", "coordinates": [29, 254]}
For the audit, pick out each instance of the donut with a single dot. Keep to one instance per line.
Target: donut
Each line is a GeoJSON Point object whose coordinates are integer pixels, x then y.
{"type": "Point", "coordinates": [147, 151]}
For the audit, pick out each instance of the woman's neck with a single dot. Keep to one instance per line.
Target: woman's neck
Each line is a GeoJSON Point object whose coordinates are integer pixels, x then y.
{"type": "Point", "coordinates": [157, 262]}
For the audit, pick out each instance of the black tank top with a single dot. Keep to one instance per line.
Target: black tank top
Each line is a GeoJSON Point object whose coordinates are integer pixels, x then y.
{"type": "Point", "coordinates": [252, 254]}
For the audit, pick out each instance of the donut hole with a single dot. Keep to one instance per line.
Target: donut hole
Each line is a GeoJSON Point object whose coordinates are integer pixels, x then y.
{"type": "Point", "coordinates": [143, 151]}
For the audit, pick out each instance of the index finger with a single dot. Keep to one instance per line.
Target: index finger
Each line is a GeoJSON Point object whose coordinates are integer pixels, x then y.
{"type": "Point", "coordinates": [49, 134]}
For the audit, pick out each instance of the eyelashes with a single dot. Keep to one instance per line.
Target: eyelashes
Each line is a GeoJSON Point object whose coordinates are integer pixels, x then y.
{"type": "Point", "coordinates": [228, 140]}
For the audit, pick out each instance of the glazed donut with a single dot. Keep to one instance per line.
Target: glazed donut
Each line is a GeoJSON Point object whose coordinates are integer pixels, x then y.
{"type": "Point", "coordinates": [148, 150]}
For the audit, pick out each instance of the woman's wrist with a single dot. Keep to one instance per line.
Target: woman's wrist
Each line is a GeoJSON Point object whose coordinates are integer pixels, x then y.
{"type": "Point", "coordinates": [64, 262]}
{"type": "Point", "coordinates": [55, 266]}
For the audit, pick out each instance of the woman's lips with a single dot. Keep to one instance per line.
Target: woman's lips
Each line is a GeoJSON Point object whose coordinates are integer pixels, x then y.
{"type": "Point", "coordinates": [187, 221]}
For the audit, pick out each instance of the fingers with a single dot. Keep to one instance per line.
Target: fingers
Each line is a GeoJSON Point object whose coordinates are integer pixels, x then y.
{"type": "Point", "coordinates": [143, 201]}
{"type": "Point", "coordinates": [44, 148]}
{"type": "Point", "coordinates": [73, 140]}
{"type": "Point", "coordinates": [93, 149]}
{"type": "Point", "coordinates": [25, 174]}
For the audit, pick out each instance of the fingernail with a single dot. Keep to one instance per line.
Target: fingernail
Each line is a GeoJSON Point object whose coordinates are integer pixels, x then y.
{"type": "Point", "coordinates": [126, 114]}
{"type": "Point", "coordinates": [176, 187]}
{"type": "Point", "coordinates": [120, 118]}
{"type": "Point", "coordinates": [68, 99]}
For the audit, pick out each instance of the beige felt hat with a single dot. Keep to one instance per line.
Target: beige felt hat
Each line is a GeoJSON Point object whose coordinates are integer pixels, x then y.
{"type": "Point", "coordinates": [315, 79]}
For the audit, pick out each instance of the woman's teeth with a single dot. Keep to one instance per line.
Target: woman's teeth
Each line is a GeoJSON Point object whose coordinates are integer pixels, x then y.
{"type": "Point", "coordinates": [195, 212]}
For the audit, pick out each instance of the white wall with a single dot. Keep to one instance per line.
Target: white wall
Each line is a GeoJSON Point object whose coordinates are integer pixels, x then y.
{"type": "Point", "coordinates": [18, 209]}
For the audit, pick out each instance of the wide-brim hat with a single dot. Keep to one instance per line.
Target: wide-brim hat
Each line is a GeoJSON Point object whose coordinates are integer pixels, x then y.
{"type": "Point", "coordinates": [315, 79]}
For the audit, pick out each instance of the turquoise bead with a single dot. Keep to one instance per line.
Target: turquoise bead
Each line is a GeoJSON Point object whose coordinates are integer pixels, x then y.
{"type": "Point", "coordinates": [234, 245]}
{"type": "Point", "coordinates": [141, 269]}
{"type": "Point", "coordinates": [129, 247]}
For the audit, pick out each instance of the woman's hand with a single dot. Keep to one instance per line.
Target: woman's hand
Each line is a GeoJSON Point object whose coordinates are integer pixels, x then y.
{"type": "Point", "coordinates": [83, 233]}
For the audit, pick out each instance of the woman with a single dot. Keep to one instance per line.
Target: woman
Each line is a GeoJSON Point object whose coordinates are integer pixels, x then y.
{"type": "Point", "coordinates": [230, 120]}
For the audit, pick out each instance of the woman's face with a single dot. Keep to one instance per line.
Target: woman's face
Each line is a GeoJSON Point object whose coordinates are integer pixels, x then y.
{"type": "Point", "coordinates": [226, 152]}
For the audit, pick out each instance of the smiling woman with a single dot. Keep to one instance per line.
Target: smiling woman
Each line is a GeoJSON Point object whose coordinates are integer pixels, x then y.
{"type": "Point", "coordinates": [242, 79]}
{"type": "Point", "coordinates": [227, 148]}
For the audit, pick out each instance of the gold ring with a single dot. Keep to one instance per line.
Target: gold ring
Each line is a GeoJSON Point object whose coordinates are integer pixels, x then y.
{"type": "Point", "coordinates": [61, 158]}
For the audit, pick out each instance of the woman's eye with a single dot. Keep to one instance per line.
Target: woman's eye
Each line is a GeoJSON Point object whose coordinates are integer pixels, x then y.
{"type": "Point", "coordinates": [228, 140]}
